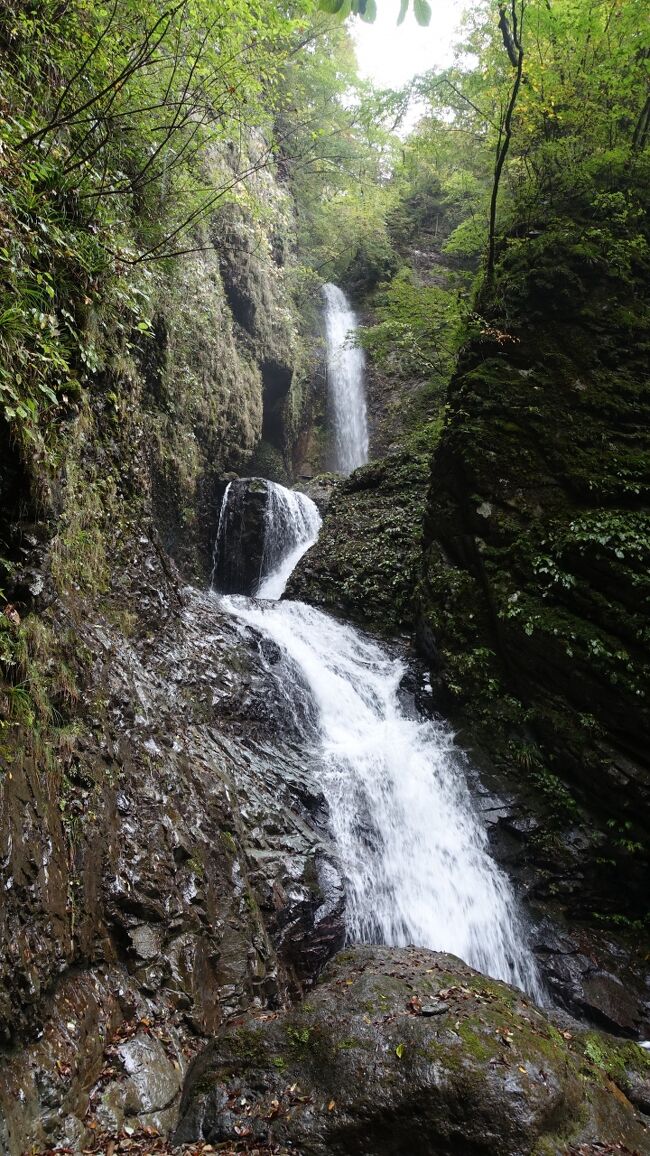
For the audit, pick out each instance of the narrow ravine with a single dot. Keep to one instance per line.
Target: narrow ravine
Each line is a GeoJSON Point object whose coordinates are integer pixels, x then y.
{"type": "Point", "coordinates": [412, 849]}
{"type": "Point", "coordinates": [345, 384]}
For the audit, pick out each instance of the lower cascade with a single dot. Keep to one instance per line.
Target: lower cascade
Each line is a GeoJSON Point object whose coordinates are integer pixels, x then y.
{"type": "Point", "coordinates": [413, 851]}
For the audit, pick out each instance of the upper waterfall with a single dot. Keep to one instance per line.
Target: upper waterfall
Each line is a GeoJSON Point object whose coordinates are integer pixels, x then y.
{"type": "Point", "coordinates": [345, 383]}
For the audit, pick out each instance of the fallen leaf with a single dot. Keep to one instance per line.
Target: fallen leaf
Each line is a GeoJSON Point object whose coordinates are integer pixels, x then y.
{"type": "Point", "coordinates": [399, 1051]}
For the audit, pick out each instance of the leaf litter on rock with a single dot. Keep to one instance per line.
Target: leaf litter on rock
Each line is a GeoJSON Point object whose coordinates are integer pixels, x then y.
{"type": "Point", "coordinates": [146, 1142]}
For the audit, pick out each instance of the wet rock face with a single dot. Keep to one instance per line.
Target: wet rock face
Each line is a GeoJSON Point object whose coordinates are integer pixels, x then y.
{"type": "Point", "coordinates": [238, 568]}
{"type": "Point", "coordinates": [589, 970]}
{"type": "Point", "coordinates": [535, 576]}
{"type": "Point", "coordinates": [365, 564]}
{"type": "Point", "coordinates": [178, 873]}
{"type": "Point", "coordinates": [401, 1050]}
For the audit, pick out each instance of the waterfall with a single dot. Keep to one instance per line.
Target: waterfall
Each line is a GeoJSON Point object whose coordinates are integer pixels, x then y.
{"type": "Point", "coordinates": [345, 383]}
{"type": "Point", "coordinates": [291, 526]}
{"type": "Point", "coordinates": [413, 850]}
{"type": "Point", "coordinates": [264, 529]}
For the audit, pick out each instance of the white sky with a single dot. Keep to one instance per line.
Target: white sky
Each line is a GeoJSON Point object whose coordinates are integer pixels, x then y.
{"type": "Point", "coordinates": [390, 56]}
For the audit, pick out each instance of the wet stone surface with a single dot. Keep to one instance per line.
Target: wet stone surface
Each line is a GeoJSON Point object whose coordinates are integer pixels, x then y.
{"type": "Point", "coordinates": [182, 875]}
{"type": "Point", "coordinates": [360, 1068]}
{"type": "Point", "coordinates": [188, 877]}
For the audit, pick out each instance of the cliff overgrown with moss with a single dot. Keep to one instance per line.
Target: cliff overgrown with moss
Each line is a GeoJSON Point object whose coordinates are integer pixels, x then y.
{"type": "Point", "coordinates": [535, 576]}
{"type": "Point", "coordinates": [156, 315]}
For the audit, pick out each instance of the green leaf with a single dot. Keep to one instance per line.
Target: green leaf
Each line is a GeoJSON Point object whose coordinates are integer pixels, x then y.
{"type": "Point", "coordinates": [403, 9]}
{"type": "Point", "coordinates": [399, 1051]}
{"type": "Point", "coordinates": [369, 13]}
{"type": "Point", "coordinates": [49, 393]}
{"type": "Point", "coordinates": [422, 10]}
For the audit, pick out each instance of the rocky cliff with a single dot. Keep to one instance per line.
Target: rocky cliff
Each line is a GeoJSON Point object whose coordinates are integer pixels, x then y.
{"type": "Point", "coordinates": [165, 864]}
{"type": "Point", "coordinates": [534, 586]}
{"type": "Point", "coordinates": [154, 855]}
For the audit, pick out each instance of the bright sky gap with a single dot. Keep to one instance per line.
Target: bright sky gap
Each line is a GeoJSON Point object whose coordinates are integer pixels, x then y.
{"type": "Point", "coordinates": [391, 56]}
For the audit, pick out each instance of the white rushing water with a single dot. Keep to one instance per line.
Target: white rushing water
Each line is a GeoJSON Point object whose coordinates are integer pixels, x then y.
{"type": "Point", "coordinates": [413, 850]}
{"type": "Point", "coordinates": [292, 523]}
{"type": "Point", "coordinates": [345, 383]}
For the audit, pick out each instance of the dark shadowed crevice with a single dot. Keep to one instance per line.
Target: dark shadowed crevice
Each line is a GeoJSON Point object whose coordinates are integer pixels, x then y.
{"type": "Point", "coordinates": [276, 383]}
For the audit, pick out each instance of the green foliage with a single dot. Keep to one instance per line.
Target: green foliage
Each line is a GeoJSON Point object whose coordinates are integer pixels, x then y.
{"type": "Point", "coordinates": [595, 1053]}
{"type": "Point", "coordinates": [337, 155]}
{"type": "Point", "coordinates": [417, 329]}
{"type": "Point", "coordinates": [367, 10]}
{"type": "Point", "coordinates": [111, 112]}
{"type": "Point", "coordinates": [38, 688]}
{"type": "Point", "coordinates": [582, 105]}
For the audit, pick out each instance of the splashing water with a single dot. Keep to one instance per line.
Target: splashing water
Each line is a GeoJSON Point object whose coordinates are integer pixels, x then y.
{"type": "Point", "coordinates": [289, 522]}
{"type": "Point", "coordinates": [345, 383]}
{"type": "Point", "coordinates": [413, 850]}
{"type": "Point", "coordinates": [292, 523]}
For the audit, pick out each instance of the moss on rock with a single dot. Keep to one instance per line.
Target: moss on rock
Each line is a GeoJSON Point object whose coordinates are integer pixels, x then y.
{"type": "Point", "coordinates": [365, 563]}
{"type": "Point", "coordinates": [535, 587]}
{"type": "Point", "coordinates": [364, 1070]}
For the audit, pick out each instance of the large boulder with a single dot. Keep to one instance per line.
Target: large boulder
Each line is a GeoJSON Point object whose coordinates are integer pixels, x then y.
{"type": "Point", "coordinates": [239, 552]}
{"type": "Point", "coordinates": [407, 1051]}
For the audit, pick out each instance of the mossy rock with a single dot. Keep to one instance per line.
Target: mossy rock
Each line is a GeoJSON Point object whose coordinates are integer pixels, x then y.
{"type": "Point", "coordinates": [535, 592]}
{"type": "Point", "coordinates": [365, 564]}
{"type": "Point", "coordinates": [406, 1050]}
